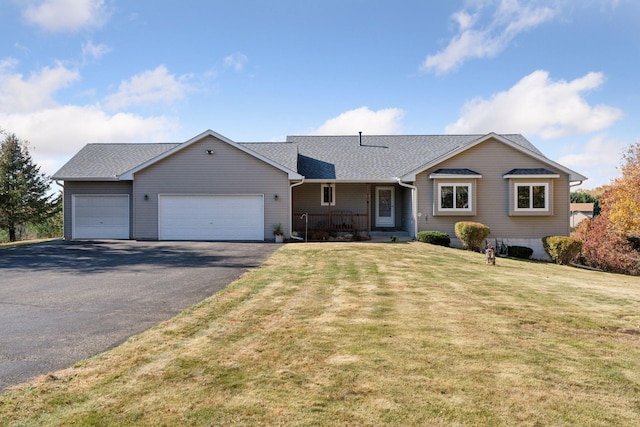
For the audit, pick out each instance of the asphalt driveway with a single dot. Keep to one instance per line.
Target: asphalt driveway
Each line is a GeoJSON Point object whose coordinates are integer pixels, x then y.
{"type": "Point", "coordinates": [61, 302]}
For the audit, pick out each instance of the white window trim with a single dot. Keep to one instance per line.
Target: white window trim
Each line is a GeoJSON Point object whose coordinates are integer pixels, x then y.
{"type": "Point", "coordinates": [531, 185]}
{"type": "Point", "coordinates": [469, 185]}
{"type": "Point", "coordinates": [333, 195]}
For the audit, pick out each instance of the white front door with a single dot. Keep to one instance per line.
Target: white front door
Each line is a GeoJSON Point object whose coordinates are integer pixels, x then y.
{"type": "Point", "coordinates": [385, 207]}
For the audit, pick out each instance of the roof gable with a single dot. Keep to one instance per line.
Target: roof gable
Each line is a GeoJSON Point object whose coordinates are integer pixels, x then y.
{"type": "Point", "coordinates": [130, 173]}
{"type": "Point", "coordinates": [508, 140]}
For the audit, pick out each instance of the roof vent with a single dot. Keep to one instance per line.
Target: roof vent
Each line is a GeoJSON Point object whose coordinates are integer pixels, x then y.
{"type": "Point", "coordinates": [360, 138]}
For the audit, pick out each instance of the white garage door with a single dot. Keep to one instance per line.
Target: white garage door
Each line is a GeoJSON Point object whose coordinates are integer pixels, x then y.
{"type": "Point", "coordinates": [211, 217]}
{"type": "Point", "coordinates": [100, 216]}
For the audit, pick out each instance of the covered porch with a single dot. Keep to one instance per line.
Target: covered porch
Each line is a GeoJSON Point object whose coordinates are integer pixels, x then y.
{"type": "Point", "coordinates": [356, 208]}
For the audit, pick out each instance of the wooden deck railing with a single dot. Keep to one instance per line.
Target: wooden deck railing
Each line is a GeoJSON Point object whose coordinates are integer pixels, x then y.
{"type": "Point", "coordinates": [335, 221]}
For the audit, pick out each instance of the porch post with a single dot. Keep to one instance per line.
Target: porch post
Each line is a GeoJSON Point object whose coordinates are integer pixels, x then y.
{"type": "Point", "coordinates": [331, 198]}
{"type": "Point", "coordinates": [414, 206]}
{"type": "Point", "coordinates": [368, 197]}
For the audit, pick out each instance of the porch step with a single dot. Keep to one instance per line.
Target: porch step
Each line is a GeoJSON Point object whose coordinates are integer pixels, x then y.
{"type": "Point", "coordinates": [385, 236]}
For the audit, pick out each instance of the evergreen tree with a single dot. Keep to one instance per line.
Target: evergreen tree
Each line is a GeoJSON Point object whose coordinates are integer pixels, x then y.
{"type": "Point", "coordinates": [24, 190]}
{"type": "Point", "coordinates": [584, 197]}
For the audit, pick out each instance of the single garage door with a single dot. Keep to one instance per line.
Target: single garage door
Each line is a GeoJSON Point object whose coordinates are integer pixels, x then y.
{"type": "Point", "coordinates": [100, 216]}
{"type": "Point", "coordinates": [211, 217]}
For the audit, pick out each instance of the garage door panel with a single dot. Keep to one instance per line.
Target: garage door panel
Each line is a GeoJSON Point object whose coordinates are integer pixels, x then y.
{"type": "Point", "coordinates": [211, 217]}
{"type": "Point", "coordinates": [100, 217]}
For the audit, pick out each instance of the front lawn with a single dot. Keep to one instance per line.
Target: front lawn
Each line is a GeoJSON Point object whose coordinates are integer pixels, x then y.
{"type": "Point", "coordinates": [369, 334]}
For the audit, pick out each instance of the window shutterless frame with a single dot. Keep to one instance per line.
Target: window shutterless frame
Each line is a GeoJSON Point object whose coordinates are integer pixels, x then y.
{"type": "Point", "coordinates": [455, 197]}
{"type": "Point", "coordinates": [328, 195]}
{"type": "Point", "coordinates": [531, 197]}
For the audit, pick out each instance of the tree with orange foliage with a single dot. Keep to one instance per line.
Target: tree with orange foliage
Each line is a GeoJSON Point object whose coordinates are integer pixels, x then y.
{"type": "Point", "coordinates": [622, 200]}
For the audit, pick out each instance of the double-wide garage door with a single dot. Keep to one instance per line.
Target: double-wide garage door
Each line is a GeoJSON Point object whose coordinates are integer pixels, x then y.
{"type": "Point", "coordinates": [211, 217]}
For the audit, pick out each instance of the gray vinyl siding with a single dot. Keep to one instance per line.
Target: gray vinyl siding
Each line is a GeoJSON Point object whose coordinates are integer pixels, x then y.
{"type": "Point", "coordinates": [350, 198]}
{"type": "Point", "coordinates": [192, 171]}
{"type": "Point", "coordinates": [91, 188]}
{"type": "Point", "coordinates": [357, 198]}
{"type": "Point", "coordinates": [492, 160]}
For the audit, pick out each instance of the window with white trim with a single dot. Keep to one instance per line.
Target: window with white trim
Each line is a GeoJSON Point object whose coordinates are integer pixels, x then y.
{"type": "Point", "coordinates": [454, 197]}
{"type": "Point", "coordinates": [531, 197]}
{"type": "Point", "coordinates": [328, 195]}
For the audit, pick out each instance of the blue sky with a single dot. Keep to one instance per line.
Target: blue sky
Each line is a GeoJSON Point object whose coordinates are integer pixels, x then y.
{"type": "Point", "coordinates": [563, 73]}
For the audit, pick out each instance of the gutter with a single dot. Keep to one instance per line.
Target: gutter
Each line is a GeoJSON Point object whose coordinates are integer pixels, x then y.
{"type": "Point", "coordinates": [414, 205]}
{"type": "Point", "coordinates": [291, 236]}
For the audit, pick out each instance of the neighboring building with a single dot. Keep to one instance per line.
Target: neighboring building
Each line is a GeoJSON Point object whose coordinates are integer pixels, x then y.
{"type": "Point", "coordinates": [578, 212]}
{"type": "Point", "coordinates": [212, 188]}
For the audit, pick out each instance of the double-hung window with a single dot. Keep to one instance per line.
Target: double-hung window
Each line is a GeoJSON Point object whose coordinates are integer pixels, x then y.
{"type": "Point", "coordinates": [328, 195]}
{"type": "Point", "coordinates": [531, 197]}
{"type": "Point", "coordinates": [454, 192]}
{"type": "Point", "coordinates": [531, 191]}
{"type": "Point", "coordinates": [454, 196]}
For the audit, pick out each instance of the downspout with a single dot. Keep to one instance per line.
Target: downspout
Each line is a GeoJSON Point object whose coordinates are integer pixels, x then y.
{"type": "Point", "coordinates": [64, 223]}
{"type": "Point", "coordinates": [291, 236]}
{"type": "Point", "coordinates": [414, 205]}
{"type": "Point", "coordinates": [575, 185]}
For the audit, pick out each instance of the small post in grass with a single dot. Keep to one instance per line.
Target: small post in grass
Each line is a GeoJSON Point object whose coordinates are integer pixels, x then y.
{"type": "Point", "coordinates": [491, 255]}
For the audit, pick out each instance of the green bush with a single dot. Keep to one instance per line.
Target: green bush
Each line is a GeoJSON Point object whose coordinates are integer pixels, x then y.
{"type": "Point", "coordinates": [521, 252]}
{"type": "Point", "coordinates": [434, 237]}
{"type": "Point", "coordinates": [472, 234]}
{"type": "Point", "coordinates": [562, 249]}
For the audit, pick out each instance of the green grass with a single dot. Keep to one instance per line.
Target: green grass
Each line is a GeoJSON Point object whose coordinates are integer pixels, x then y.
{"type": "Point", "coordinates": [369, 334]}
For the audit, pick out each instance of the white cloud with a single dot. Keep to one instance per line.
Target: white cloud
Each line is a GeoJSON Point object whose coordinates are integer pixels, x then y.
{"type": "Point", "coordinates": [94, 51]}
{"type": "Point", "coordinates": [598, 159]}
{"type": "Point", "coordinates": [381, 122]}
{"type": "Point", "coordinates": [66, 15]}
{"type": "Point", "coordinates": [475, 40]}
{"type": "Point", "coordinates": [51, 134]}
{"type": "Point", "coordinates": [237, 61]}
{"type": "Point", "coordinates": [56, 132]}
{"type": "Point", "coordinates": [18, 94]}
{"type": "Point", "coordinates": [537, 105]}
{"type": "Point", "coordinates": [150, 87]}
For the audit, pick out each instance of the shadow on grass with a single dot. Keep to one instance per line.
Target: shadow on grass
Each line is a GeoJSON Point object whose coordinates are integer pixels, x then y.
{"type": "Point", "coordinates": [99, 256]}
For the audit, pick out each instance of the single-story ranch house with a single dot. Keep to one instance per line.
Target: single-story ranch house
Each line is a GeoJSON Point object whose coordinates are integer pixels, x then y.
{"type": "Point", "coordinates": [212, 188]}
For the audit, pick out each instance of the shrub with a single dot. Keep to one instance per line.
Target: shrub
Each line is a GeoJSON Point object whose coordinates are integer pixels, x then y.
{"type": "Point", "coordinates": [434, 237]}
{"type": "Point", "coordinates": [562, 249]}
{"type": "Point", "coordinates": [472, 234]}
{"type": "Point", "coordinates": [607, 250]}
{"type": "Point", "coordinates": [521, 252]}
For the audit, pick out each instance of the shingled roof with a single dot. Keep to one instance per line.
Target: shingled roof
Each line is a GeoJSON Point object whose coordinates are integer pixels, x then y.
{"type": "Point", "coordinates": [375, 158]}
{"type": "Point", "coordinates": [109, 161]}
{"type": "Point", "coordinates": [381, 158]}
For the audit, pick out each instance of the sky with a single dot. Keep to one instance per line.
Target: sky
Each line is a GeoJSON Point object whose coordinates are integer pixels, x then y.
{"type": "Point", "coordinates": [564, 73]}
